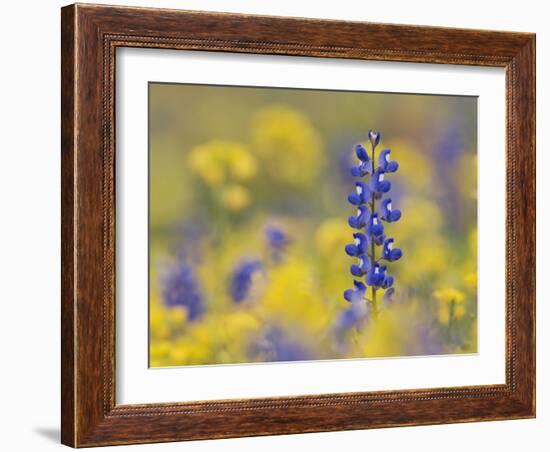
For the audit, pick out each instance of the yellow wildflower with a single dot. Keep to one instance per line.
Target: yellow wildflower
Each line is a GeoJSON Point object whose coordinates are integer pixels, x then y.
{"type": "Point", "coordinates": [450, 304]}
{"type": "Point", "coordinates": [218, 162]}
{"type": "Point", "coordinates": [289, 145]}
{"type": "Point", "coordinates": [235, 197]}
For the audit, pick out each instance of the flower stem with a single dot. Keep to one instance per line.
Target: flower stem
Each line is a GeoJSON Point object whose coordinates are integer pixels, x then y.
{"type": "Point", "coordinates": [373, 245]}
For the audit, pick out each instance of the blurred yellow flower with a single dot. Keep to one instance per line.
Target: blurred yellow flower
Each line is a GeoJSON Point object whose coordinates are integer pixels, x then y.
{"type": "Point", "coordinates": [218, 162]}
{"type": "Point", "coordinates": [466, 175]}
{"type": "Point", "coordinates": [389, 335]}
{"type": "Point", "coordinates": [450, 305]}
{"type": "Point", "coordinates": [289, 145]}
{"type": "Point", "coordinates": [235, 197]}
{"type": "Point", "coordinates": [415, 168]}
{"type": "Point", "coordinates": [218, 339]}
{"type": "Point", "coordinates": [292, 297]}
{"type": "Point", "coordinates": [423, 217]}
{"type": "Point", "coordinates": [430, 255]}
{"type": "Point", "coordinates": [166, 322]}
{"type": "Point", "coordinates": [331, 236]}
{"type": "Point", "coordinates": [471, 280]}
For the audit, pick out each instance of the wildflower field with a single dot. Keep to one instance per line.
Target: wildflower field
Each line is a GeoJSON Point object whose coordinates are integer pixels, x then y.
{"type": "Point", "coordinates": [290, 224]}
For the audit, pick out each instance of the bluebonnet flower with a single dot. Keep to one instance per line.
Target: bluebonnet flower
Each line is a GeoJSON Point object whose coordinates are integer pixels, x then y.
{"type": "Point", "coordinates": [385, 163]}
{"type": "Point", "coordinates": [364, 166]}
{"type": "Point", "coordinates": [390, 253]}
{"type": "Point", "coordinates": [362, 266]}
{"type": "Point", "coordinates": [388, 282]}
{"type": "Point", "coordinates": [376, 275]}
{"type": "Point", "coordinates": [360, 220]}
{"type": "Point", "coordinates": [179, 287]}
{"type": "Point", "coordinates": [278, 240]}
{"type": "Point", "coordinates": [361, 195]}
{"type": "Point", "coordinates": [375, 228]}
{"type": "Point", "coordinates": [357, 294]}
{"type": "Point", "coordinates": [242, 279]}
{"type": "Point", "coordinates": [378, 184]}
{"type": "Point", "coordinates": [368, 217]}
{"type": "Point", "coordinates": [388, 213]}
{"type": "Point", "coordinates": [359, 246]}
{"type": "Point", "coordinates": [374, 138]}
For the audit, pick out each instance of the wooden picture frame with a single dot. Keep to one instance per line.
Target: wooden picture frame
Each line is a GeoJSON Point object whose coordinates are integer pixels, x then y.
{"type": "Point", "coordinates": [90, 36]}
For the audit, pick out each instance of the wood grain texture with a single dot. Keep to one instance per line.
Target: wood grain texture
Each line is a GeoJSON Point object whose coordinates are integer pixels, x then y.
{"type": "Point", "coordinates": [90, 36]}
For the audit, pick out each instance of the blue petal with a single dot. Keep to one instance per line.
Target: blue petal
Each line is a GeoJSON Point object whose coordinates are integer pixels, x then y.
{"type": "Point", "coordinates": [352, 250]}
{"type": "Point", "coordinates": [362, 153]}
{"type": "Point", "coordinates": [355, 270]}
{"type": "Point", "coordinates": [356, 171]}
{"type": "Point", "coordinates": [354, 199]}
{"type": "Point", "coordinates": [348, 294]}
{"type": "Point", "coordinates": [392, 167]}
{"type": "Point", "coordinates": [395, 215]}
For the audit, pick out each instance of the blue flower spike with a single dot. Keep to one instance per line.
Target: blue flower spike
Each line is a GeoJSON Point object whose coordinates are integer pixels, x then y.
{"type": "Point", "coordinates": [362, 194]}
{"type": "Point", "coordinates": [364, 167]}
{"type": "Point", "coordinates": [362, 217]}
{"type": "Point", "coordinates": [389, 214]}
{"type": "Point", "coordinates": [385, 163]}
{"type": "Point", "coordinates": [390, 253]}
{"type": "Point", "coordinates": [357, 294]}
{"type": "Point", "coordinates": [373, 209]}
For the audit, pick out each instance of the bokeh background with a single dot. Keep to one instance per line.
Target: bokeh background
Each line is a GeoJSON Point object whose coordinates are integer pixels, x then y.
{"type": "Point", "coordinates": [248, 224]}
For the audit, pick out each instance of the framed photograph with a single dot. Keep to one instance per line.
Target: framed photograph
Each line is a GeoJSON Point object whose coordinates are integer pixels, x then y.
{"type": "Point", "coordinates": [282, 225]}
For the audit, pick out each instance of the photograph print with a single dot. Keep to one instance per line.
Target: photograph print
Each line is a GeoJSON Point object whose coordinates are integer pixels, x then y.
{"type": "Point", "coordinates": [299, 225]}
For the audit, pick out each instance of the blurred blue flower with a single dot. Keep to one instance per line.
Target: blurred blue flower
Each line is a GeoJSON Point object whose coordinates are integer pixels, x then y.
{"type": "Point", "coordinates": [354, 316]}
{"type": "Point", "coordinates": [277, 240]}
{"type": "Point", "coordinates": [179, 287]}
{"type": "Point", "coordinates": [387, 299]}
{"type": "Point", "coordinates": [275, 345]}
{"type": "Point", "coordinates": [241, 279]}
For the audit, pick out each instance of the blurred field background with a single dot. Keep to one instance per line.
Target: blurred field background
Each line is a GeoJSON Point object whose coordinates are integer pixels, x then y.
{"type": "Point", "coordinates": [248, 224]}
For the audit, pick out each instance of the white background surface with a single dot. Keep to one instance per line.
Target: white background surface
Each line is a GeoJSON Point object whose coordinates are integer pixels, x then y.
{"type": "Point", "coordinates": [29, 187]}
{"type": "Point", "coordinates": [135, 383]}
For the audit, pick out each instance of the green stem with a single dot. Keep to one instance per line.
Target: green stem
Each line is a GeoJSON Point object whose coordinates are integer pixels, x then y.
{"type": "Point", "coordinates": [373, 245]}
